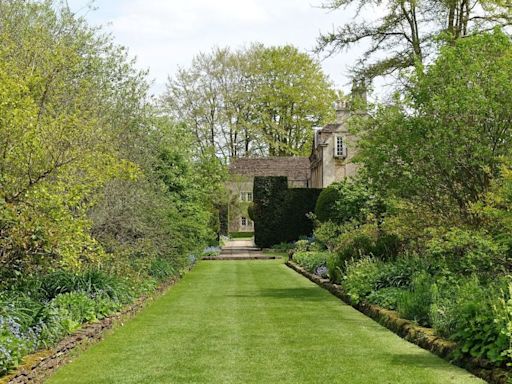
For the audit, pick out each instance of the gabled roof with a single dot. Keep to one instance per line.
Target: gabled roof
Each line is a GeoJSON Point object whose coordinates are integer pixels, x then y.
{"type": "Point", "coordinates": [295, 168]}
{"type": "Point", "coordinates": [331, 128]}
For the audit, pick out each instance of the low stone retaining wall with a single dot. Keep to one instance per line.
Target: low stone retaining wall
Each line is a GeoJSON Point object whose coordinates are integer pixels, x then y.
{"type": "Point", "coordinates": [38, 366]}
{"type": "Point", "coordinates": [421, 336]}
{"type": "Point", "coordinates": [241, 257]}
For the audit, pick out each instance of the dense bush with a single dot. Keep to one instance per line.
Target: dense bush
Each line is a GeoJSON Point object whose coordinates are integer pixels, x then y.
{"type": "Point", "coordinates": [269, 194]}
{"type": "Point", "coordinates": [414, 303]}
{"type": "Point", "coordinates": [312, 261]}
{"type": "Point", "coordinates": [279, 213]}
{"type": "Point", "coordinates": [469, 251]}
{"type": "Point", "coordinates": [360, 277]}
{"type": "Point", "coordinates": [298, 202]}
{"type": "Point", "coordinates": [343, 201]}
{"type": "Point", "coordinates": [473, 314]}
{"type": "Point", "coordinates": [386, 297]}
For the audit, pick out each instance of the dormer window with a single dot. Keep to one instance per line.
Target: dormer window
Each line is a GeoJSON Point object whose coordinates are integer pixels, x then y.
{"type": "Point", "coordinates": [340, 149]}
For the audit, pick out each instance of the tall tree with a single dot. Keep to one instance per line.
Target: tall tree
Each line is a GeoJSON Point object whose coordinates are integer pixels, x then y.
{"type": "Point", "coordinates": [256, 101]}
{"type": "Point", "coordinates": [406, 35]}
{"type": "Point", "coordinates": [441, 144]}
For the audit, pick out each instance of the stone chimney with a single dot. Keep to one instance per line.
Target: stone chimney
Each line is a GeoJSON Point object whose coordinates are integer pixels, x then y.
{"type": "Point", "coordinates": [342, 108]}
{"type": "Point", "coordinates": [358, 96]}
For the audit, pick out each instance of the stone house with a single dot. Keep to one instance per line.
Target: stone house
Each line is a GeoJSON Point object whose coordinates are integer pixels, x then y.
{"type": "Point", "coordinates": [331, 159]}
{"type": "Point", "coordinates": [242, 173]}
{"type": "Point", "coordinates": [333, 151]}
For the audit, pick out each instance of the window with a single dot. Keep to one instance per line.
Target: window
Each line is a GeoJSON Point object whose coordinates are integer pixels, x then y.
{"type": "Point", "coordinates": [340, 150]}
{"type": "Point", "coordinates": [245, 196]}
{"type": "Point", "coordinates": [243, 221]}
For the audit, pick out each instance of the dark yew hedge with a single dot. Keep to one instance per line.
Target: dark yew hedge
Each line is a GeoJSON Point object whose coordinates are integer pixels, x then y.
{"type": "Point", "coordinates": [279, 213]}
{"type": "Point", "coordinates": [268, 198]}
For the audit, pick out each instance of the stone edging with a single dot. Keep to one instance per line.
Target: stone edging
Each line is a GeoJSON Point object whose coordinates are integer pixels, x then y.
{"type": "Point", "coordinates": [421, 336]}
{"type": "Point", "coordinates": [241, 257]}
{"type": "Point", "coordinates": [38, 366]}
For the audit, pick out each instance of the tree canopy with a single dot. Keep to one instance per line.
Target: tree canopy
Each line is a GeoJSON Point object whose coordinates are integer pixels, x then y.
{"type": "Point", "coordinates": [88, 168]}
{"type": "Point", "coordinates": [409, 31]}
{"type": "Point", "coordinates": [442, 143]}
{"type": "Point", "coordinates": [255, 101]}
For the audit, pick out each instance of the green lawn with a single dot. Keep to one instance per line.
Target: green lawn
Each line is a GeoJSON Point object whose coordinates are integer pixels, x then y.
{"type": "Point", "coordinates": [254, 322]}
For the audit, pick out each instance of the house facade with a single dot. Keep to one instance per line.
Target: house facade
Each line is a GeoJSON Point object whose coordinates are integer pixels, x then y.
{"type": "Point", "coordinates": [240, 186]}
{"type": "Point", "coordinates": [331, 160]}
{"type": "Point", "coordinates": [333, 150]}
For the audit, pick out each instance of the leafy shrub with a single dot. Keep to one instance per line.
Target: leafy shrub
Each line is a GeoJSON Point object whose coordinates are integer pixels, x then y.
{"type": "Point", "coordinates": [360, 277]}
{"type": "Point", "coordinates": [343, 201]}
{"type": "Point", "coordinates": [333, 268]}
{"type": "Point", "coordinates": [269, 195]}
{"type": "Point", "coordinates": [399, 273]}
{"type": "Point", "coordinates": [386, 297]}
{"type": "Point", "coordinates": [325, 203]}
{"type": "Point", "coordinates": [328, 233]}
{"type": "Point", "coordinates": [161, 269]}
{"type": "Point", "coordinates": [474, 315]}
{"type": "Point", "coordinates": [283, 247]}
{"type": "Point", "coordinates": [311, 261]}
{"type": "Point", "coordinates": [91, 281]}
{"type": "Point", "coordinates": [211, 251]}
{"type": "Point", "coordinates": [414, 304]}
{"type": "Point", "coordinates": [74, 309]}
{"type": "Point", "coordinates": [302, 245]}
{"type": "Point", "coordinates": [468, 252]}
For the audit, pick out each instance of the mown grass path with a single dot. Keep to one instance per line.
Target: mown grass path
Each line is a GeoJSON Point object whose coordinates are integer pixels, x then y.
{"type": "Point", "coordinates": [254, 322]}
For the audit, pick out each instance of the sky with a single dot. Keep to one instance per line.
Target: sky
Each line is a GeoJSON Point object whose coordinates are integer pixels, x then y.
{"type": "Point", "coordinates": [166, 34]}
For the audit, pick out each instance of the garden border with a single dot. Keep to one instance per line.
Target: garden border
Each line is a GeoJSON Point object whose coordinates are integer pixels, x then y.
{"type": "Point", "coordinates": [38, 366]}
{"type": "Point", "coordinates": [421, 336]}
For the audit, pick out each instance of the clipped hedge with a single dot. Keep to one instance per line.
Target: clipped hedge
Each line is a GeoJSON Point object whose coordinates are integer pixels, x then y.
{"type": "Point", "coordinates": [279, 213]}
{"type": "Point", "coordinates": [269, 196]}
{"type": "Point", "coordinates": [298, 202]}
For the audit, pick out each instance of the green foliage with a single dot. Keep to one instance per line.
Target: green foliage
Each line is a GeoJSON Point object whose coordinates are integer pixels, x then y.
{"type": "Point", "coordinates": [360, 277]}
{"type": "Point", "coordinates": [343, 201]}
{"type": "Point", "coordinates": [302, 246]}
{"type": "Point", "coordinates": [386, 297]}
{"type": "Point", "coordinates": [266, 100]}
{"type": "Point", "coordinates": [297, 204]}
{"type": "Point", "coordinates": [473, 314]}
{"type": "Point", "coordinates": [269, 195]}
{"type": "Point", "coordinates": [101, 196]}
{"type": "Point", "coordinates": [280, 214]}
{"type": "Point", "coordinates": [468, 251]}
{"type": "Point", "coordinates": [435, 146]}
{"type": "Point", "coordinates": [312, 261]}
{"type": "Point", "coordinates": [74, 308]}
{"type": "Point", "coordinates": [414, 304]}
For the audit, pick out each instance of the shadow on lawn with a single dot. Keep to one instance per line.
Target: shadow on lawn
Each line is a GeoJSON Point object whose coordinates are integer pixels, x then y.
{"type": "Point", "coordinates": [303, 294]}
{"type": "Point", "coordinates": [422, 360]}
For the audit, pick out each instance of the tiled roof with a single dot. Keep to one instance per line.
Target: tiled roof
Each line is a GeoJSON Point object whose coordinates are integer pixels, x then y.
{"type": "Point", "coordinates": [295, 168]}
